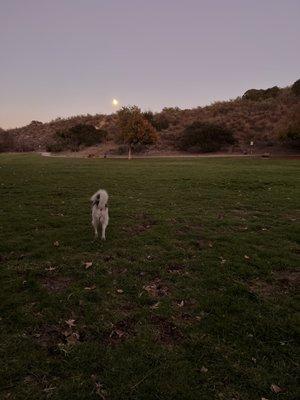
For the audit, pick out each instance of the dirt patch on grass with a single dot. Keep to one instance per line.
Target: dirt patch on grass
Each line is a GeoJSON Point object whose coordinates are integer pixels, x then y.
{"type": "Point", "coordinates": [55, 284]}
{"type": "Point", "coordinates": [143, 222]}
{"type": "Point", "coordinates": [52, 336]}
{"type": "Point", "coordinates": [167, 332]}
{"type": "Point", "coordinates": [48, 336]}
{"type": "Point", "coordinates": [282, 283]}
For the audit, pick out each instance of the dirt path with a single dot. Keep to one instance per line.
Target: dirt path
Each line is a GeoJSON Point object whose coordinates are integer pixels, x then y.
{"type": "Point", "coordinates": [211, 155]}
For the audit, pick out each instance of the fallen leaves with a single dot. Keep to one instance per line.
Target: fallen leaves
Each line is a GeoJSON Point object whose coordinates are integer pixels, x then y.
{"type": "Point", "coordinates": [277, 389]}
{"type": "Point", "coordinates": [223, 260]}
{"type": "Point", "coordinates": [89, 288]}
{"type": "Point", "coordinates": [155, 306]}
{"type": "Point", "coordinates": [120, 291]}
{"type": "Point", "coordinates": [70, 323]}
{"type": "Point", "coordinates": [56, 243]}
{"type": "Point", "coordinates": [71, 337]}
{"type": "Point", "coordinates": [99, 389]}
{"type": "Point", "coordinates": [156, 288]}
{"type": "Point", "coordinates": [204, 370]}
{"type": "Point", "coordinates": [88, 264]}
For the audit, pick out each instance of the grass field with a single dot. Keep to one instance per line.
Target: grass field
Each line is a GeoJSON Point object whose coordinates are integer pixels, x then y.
{"type": "Point", "coordinates": [192, 296]}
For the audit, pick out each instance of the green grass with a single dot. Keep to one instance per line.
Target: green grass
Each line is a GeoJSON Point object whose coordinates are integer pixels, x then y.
{"type": "Point", "coordinates": [169, 292]}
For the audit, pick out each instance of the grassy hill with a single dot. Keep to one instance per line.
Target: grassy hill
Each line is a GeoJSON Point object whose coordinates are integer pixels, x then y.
{"type": "Point", "coordinates": [258, 115]}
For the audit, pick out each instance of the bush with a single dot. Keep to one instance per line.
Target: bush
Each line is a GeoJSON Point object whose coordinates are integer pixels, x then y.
{"type": "Point", "coordinates": [291, 135]}
{"type": "Point", "coordinates": [296, 88]}
{"type": "Point", "coordinates": [55, 147]}
{"type": "Point", "coordinates": [81, 135]}
{"type": "Point", "coordinates": [158, 121]}
{"type": "Point", "coordinates": [7, 141]}
{"type": "Point", "coordinates": [205, 137]}
{"type": "Point", "coordinates": [261, 94]}
{"type": "Point", "coordinates": [161, 122]}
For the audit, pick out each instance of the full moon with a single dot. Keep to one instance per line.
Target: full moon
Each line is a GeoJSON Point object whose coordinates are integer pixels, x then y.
{"type": "Point", "coordinates": [115, 102]}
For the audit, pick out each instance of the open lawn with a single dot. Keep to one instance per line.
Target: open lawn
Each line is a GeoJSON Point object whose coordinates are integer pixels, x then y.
{"type": "Point", "coordinates": [192, 296]}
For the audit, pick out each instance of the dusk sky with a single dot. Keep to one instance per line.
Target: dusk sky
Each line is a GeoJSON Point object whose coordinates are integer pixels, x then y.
{"type": "Point", "coordinates": [66, 57]}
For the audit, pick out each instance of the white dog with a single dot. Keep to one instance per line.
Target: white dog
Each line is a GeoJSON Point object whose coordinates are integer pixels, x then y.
{"type": "Point", "coordinates": [100, 211]}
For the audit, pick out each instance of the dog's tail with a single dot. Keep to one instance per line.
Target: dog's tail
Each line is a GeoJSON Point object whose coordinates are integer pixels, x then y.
{"type": "Point", "coordinates": [100, 198]}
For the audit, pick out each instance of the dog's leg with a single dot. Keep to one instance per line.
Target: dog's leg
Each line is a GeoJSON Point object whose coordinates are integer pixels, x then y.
{"type": "Point", "coordinates": [95, 225]}
{"type": "Point", "coordinates": [104, 225]}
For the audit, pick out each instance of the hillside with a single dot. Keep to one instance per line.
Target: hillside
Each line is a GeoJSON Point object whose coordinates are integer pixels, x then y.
{"type": "Point", "coordinates": [259, 115]}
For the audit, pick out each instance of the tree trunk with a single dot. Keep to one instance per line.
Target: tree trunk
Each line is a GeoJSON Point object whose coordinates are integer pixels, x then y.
{"type": "Point", "coordinates": [129, 152]}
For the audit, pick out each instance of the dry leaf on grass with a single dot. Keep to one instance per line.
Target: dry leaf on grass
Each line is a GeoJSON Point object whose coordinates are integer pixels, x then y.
{"type": "Point", "coordinates": [277, 389]}
{"type": "Point", "coordinates": [246, 257]}
{"type": "Point", "coordinates": [88, 264]}
{"type": "Point", "coordinates": [117, 332]}
{"type": "Point", "coordinates": [120, 291]}
{"type": "Point", "coordinates": [154, 306]}
{"type": "Point", "coordinates": [204, 370]}
{"type": "Point", "coordinates": [50, 269]}
{"type": "Point", "coordinates": [56, 243]}
{"type": "Point", "coordinates": [71, 337]}
{"type": "Point", "coordinates": [93, 287]}
{"type": "Point", "coordinates": [156, 288]}
{"type": "Point", "coordinates": [70, 323]}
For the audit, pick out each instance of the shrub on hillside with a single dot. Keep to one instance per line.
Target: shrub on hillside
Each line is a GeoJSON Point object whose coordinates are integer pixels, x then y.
{"type": "Point", "coordinates": [296, 88]}
{"type": "Point", "coordinates": [161, 122]}
{"type": "Point", "coordinates": [261, 94]}
{"type": "Point", "coordinates": [7, 141]}
{"type": "Point", "coordinates": [205, 137]}
{"type": "Point", "coordinates": [291, 135]}
{"type": "Point", "coordinates": [158, 121]}
{"type": "Point", "coordinates": [81, 135]}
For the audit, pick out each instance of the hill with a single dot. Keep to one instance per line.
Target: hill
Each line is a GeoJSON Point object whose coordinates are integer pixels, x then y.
{"type": "Point", "coordinates": [259, 116]}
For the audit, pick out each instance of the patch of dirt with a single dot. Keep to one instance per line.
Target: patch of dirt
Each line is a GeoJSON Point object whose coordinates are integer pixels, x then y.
{"type": "Point", "coordinates": [283, 282]}
{"type": "Point", "coordinates": [48, 336]}
{"type": "Point", "coordinates": [55, 284]}
{"type": "Point", "coordinates": [52, 336]}
{"type": "Point", "coordinates": [156, 288]}
{"type": "Point", "coordinates": [143, 223]}
{"type": "Point", "coordinates": [167, 332]}
{"type": "Point", "coordinates": [292, 217]}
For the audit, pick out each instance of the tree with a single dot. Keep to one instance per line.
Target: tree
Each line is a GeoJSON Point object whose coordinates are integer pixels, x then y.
{"type": "Point", "coordinates": [158, 121]}
{"type": "Point", "coordinates": [80, 135]}
{"type": "Point", "coordinates": [205, 136]}
{"type": "Point", "coordinates": [135, 128]}
{"type": "Point", "coordinates": [291, 134]}
{"type": "Point", "coordinates": [296, 88]}
{"type": "Point", "coordinates": [261, 94]}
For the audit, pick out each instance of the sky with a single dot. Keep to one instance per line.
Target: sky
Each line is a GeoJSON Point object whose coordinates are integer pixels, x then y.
{"type": "Point", "coordinates": [68, 57]}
